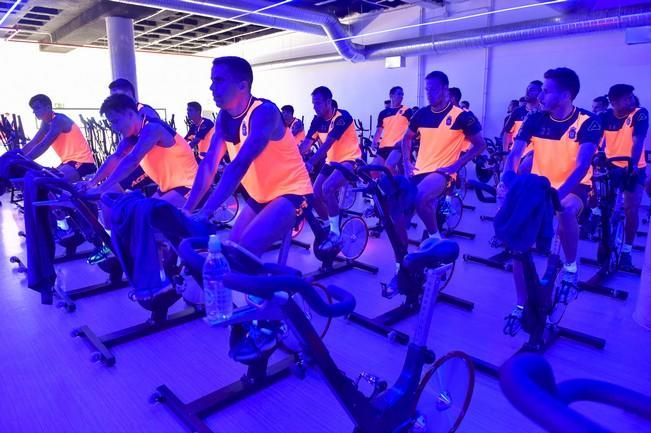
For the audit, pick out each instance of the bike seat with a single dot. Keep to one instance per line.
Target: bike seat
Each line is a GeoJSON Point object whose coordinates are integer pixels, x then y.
{"type": "Point", "coordinates": [432, 254]}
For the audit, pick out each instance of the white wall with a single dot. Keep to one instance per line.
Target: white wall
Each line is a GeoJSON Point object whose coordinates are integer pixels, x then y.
{"type": "Point", "coordinates": [80, 78]}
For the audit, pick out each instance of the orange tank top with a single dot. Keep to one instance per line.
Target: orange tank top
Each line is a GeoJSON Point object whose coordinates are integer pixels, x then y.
{"type": "Point", "coordinates": [393, 128]}
{"type": "Point", "coordinates": [440, 146]}
{"type": "Point", "coordinates": [344, 149]}
{"type": "Point", "coordinates": [72, 146]}
{"type": "Point", "coordinates": [204, 143]}
{"type": "Point", "coordinates": [278, 170]}
{"type": "Point", "coordinates": [171, 167]}
{"type": "Point", "coordinates": [556, 159]}
{"type": "Point", "coordinates": [620, 143]}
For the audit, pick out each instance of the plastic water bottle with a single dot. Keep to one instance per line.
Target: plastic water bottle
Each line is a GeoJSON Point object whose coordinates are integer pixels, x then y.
{"type": "Point", "coordinates": [218, 298]}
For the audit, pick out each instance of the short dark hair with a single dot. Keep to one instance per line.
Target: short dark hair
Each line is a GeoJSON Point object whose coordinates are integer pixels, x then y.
{"type": "Point", "coordinates": [387, 101]}
{"type": "Point", "coordinates": [394, 89]}
{"type": "Point", "coordinates": [118, 103]}
{"type": "Point", "coordinates": [323, 91]}
{"type": "Point", "coordinates": [602, 100]}
{"type": "Point", "coordinates": [566, 79]}
{"type": "Point", "coordinates": [514, 102]}
{"type": "Point", "coordinates": [522, 99]}
{"type": "Point", "coordinates": [619, 90]}
{"type": "Point", "coordinates": [288, 108]}
{"type": "Point", "coordinates": [335, 105]}
{"type": "Point", "coordinates": [440, 76]}
{"type": "Point", "coordinates": [455, 92]}
{"type": "Point", "coordinates": [195, 106]}
{"type": "Point", "coordinates": [40, 99]}
{"type": "Point", "coordinates": [537, 83]}
{"type": "Point", "coordinates": [124, 84]}
{"type": "Point", "coordinates": [466, 103]}
{"type": "Point", "coordinates": [238, 67]}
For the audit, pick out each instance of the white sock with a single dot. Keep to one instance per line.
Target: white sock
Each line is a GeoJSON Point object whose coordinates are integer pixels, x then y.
{"type": "Point", "coordinates": [63, 224]}
{"type": "Point", "coordinates": [334, 224]}
{"type": "Point", "coordinates": [627, 248]}
{"type": "Point", "coordinates": [436, 235]}
{"type": "Point", "coordinates": [570, 267]}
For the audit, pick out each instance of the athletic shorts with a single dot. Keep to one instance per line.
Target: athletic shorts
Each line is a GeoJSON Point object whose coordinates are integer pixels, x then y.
{"type": "Point", "coordinates": [300, 202]}
{"type": "Point", "coordinates": [83, 168]}
{"type": "Point", "coordinates": [625, 182]}
{"type": "Point", "coordinates": [136, 180]}
{"type": "Point", "coordinates": [418, 178]}
{"type": "Point", "coordinates": [384, 152]}
{"type": "Point", "coordinates": [582, 191]}
{"type": "Point", "coordinates": [327, 169]}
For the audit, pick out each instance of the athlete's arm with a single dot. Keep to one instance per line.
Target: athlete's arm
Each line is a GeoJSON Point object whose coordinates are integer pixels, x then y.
{"type": "Point", "coordinates": [405, 145]}
{"type": "Point", "coordinates": [150, 135]}
{"type": "Point", "coordinates": [478, 144]}
{"type": "Point", "coordinates": [207, 168]}
{"type": "Point", "coordinates": [583, 162]}
{"type": "Point", "coordinates": [42, 131]}
{"type": "Point", "coordinates": [124, 146]}
{"type": "Point", "coordinates": [56, 127]}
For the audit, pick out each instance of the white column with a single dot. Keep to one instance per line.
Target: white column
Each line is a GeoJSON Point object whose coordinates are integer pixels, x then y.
{"type": "Point", "coordinates": [119, 32]}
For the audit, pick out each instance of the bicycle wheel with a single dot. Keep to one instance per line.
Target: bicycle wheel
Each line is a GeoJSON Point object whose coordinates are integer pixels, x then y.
{"type": "Point", "coordinates": [287, 341]}
{"type": "Point", "coordinates": [460, 183]}
{"type": "Point", "coordinates": [354, 237]}
{"type": "Point", "coordinates": [444, 394]}
{"type": "Point", "coordinates": [227, 211]}
{"type": "Point", "coordinates": [447, 277]}
{"type": "Point", "coordinates": [347, 196]}
{"type": "Point", "coordinates": [618, 243]}
{"type": "Point", "coordinates": [454, 212]}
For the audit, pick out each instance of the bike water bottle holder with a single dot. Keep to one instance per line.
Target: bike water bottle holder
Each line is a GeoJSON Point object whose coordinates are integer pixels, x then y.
{"type": "Point", "coordinates": [374, 383]}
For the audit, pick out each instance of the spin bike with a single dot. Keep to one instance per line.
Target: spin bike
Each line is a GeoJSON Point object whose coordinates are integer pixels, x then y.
{"type": "Point", "coordinates": [609, 202]}
{"type": "Point", "coordinates": [546, 302]}
{"type": "Point", "coordinates": [417, 403]}
{"type": "Point", "coordinates": [409, 281]}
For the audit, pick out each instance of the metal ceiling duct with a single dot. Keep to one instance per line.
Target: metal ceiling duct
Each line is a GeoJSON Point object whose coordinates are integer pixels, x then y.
{"type": "Point", "coordinates": [337, 33]}
{"type": "Point", "coordinates": [282, 17]}
{"type": "Point", "coordinates": [217, 12]}
{"type": "Point", "coordinates": [547, 28]}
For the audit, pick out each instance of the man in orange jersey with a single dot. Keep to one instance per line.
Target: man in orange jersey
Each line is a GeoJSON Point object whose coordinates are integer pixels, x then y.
{"type": "Point", "coordinates": [64, 136]}
{"type": "Point", "coordinates": [444, 128]}
{"type": "Point", "coordinates": [335, 130]}
{"type": "Point", "coordinates": [564, 139]}
{"type": "Point", "coordinates": [293, 124]}
{"type": "Point", "coordinates": [268, 165]}
{"type": "Point", "coordinates": [392, 123]}
{"type": "Point", "coordinates": [200, 131]}
{"type": "Point", "coordinates": [149, 143]}
{"type": "Point", "coordinates": [265, 161]}
{"type": "Point", "coordinates": [625, 129]}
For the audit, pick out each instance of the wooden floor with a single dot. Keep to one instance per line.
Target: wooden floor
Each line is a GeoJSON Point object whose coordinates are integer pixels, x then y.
{"type": "Point", "coordinates": [48, 383]}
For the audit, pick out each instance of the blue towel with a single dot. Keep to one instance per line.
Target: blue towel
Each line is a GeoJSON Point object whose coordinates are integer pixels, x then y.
{"type": "Point", "coordinates": [39, 240]}
{"type": "Point", "coordinates": [135, 221]}
{"type": "Point", "coordinates": [527, 215]}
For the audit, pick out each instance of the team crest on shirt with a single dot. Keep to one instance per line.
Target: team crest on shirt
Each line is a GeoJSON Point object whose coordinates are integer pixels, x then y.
{"type": "Point", "coordinates": [628, 121]}
{"type": "Point", "coordinates": [448, 121]}
{"type": "Point", "coordinates": [244, 129]}
{"type": "Point", "coordinates": [572, 133]}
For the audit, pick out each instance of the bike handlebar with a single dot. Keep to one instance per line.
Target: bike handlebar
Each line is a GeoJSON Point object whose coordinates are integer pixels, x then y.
{"type": "Point", "coordinates": [265, 287]}
{"type": "Point", "coordinates": [348, 173]}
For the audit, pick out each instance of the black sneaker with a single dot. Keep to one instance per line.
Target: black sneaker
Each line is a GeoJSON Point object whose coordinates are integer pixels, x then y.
{"type": "Point", "coordinates": [99, 255]}
{"type": "Point", "coordinates": [253, 344]}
